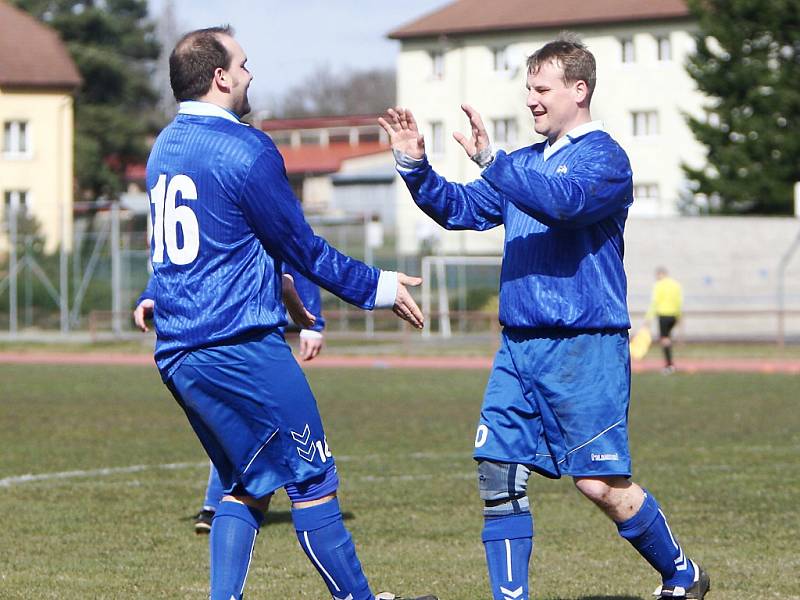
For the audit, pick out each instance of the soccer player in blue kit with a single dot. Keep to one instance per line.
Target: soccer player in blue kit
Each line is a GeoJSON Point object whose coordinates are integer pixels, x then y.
{"type": "Point", "coordinates": [557, 398]}
{"type": "Point", "coordinates": [224, 222]}
{"type": "Point", "coordinates": [299, 295]}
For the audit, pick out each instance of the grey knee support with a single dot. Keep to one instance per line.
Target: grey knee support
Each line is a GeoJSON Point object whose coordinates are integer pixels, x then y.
{"type": "Point", "coordinates": [503, 488]}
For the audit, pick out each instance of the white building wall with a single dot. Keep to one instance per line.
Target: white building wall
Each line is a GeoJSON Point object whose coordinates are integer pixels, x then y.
{"type": "Point", "coordinates": [469, 76]}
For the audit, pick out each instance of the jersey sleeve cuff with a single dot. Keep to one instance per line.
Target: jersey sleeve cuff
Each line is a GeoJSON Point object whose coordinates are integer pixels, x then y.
{"type": "Point", "coordinates": [387, 289]}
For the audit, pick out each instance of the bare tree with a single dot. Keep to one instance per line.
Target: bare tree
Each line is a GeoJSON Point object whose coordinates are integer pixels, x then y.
{"type": "Point", "coordinates": [326, 92]}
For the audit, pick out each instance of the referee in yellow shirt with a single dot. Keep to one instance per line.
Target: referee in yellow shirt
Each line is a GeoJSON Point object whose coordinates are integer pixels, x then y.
{"type": "Point", "coordinates": [666, 305]}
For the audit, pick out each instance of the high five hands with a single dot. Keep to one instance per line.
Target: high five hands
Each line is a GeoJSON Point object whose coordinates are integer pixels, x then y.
{"type": "Point", "coordinates": [404, 135]}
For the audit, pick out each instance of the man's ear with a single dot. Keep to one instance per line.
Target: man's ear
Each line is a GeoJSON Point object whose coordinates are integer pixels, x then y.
{"type": "Point", "coordinates": [222, 79]}
{"type": "Point", "coordinates": [581, 91]}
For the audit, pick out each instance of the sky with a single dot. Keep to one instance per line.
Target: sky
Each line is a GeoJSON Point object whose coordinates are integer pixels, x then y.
{"type": "Point", "coordinates": [286, 40]}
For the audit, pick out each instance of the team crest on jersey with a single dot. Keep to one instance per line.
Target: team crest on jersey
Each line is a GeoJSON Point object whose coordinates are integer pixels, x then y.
{"type": "Point", "coordinates": [307, 447]}
{"type": "Point", "coordinates": [562, 170]}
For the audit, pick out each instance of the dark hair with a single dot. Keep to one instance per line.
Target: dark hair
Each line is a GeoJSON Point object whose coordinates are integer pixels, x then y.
{"type": "Point", "coordinates": [194, 59]}
{"type": "Point", "coordinates": [569, 53]}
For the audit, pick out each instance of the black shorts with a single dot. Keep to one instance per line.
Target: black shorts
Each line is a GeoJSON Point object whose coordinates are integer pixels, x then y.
{"type": "Point", "coordinates": [665, 325]}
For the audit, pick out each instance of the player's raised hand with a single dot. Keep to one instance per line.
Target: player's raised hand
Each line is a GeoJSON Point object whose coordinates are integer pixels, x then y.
{"type": "Point", "coordinates": [294, 305]}
{"type": "Point", "coordinates": [142, 312]}
{"type": "Point", "coordinates": [404, 135]}
{"type": "Point", "coordinates": [480, 138]}
{"type": "Point", "coordinates": [404, 305]}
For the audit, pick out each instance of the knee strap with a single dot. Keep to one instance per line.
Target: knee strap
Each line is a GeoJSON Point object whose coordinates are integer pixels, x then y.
{"type": "Point", "coordinates": [503, 488]}
{"type": "Point", "coordinates": [314, 488]}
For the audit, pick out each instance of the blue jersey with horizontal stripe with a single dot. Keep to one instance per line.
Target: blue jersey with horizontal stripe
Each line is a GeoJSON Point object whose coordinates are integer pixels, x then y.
{"type": "Point", "coordinates": [564, 220]}
{"type": "Point", "coordinates": [224, 222]}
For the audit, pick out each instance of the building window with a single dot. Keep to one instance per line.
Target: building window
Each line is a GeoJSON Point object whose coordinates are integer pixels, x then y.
{"type": "Point", "coordinates": [500, 59]}
{"type": "Point", "coordinates": [437, 64]}
{"type": "Point", "coordinates": [646, 192]}
{"type": "Point", "coordinates": [16, 137]}
{"type": "Point", "coordinates": [504, 131]}
{"type": "Point", "coordinates": [16, 200]}
{"type": "Point", "coordinates": [627, 50]}
{"type": "Point", "coordinates": [644, 123]}
{"type": "Point", "coordinates": [664, 48]}
{"type": "Point", "coordinates": [437, 137]}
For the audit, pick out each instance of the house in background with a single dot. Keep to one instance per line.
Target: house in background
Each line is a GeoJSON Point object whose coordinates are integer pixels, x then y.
{"type": "Point", "coordinates": [339, 167]}
{"type": "Point", "coordinates": [473, 51]}
{"type": "Point", "coordinates": [37, 81]}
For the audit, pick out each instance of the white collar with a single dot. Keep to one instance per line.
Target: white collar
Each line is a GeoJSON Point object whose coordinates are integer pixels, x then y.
{"type": "Point", "coordinates": [570, 136]}
{"type": "Point", "coordinates": [206, 109]}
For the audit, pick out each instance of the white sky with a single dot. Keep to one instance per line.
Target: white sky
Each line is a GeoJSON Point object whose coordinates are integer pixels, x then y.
{"type": "Point", "coordinates": [285, 40]}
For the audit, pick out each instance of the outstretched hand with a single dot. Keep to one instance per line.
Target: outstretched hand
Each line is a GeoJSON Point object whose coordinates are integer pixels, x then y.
{"type": "Point", "coordinates": [404, 135]}
{"type": "Point", "coordinates": [404, 305]}
{"type": "Point", "coordinates": [142, 312]}
{"type": "Point", "coordinates": [480, 138]}
{"type": "Point", "coordinates": [294, 305]}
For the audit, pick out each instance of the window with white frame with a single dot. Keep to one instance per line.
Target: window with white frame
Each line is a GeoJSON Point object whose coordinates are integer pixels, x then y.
{"type": "Point", "coordinates": [644, 123]}
{"type": "Point", "coordinates": [664, 48]}
{"type": "Point", "coordinates": [646, 192]}
{"type": "Point", "coordinates": [436, 137]}
{"type": "Point", "coordinates": [16, 201]}
{"type": "Point", "coordinates": [16, 138]}
{"type": "Point", "coordinates": [500, 60]}
{"type": "Point", "coordinates": [646, 199]}
{"type": "Point", "coordinates": [437, 64]}
{"type": "Point", "coordinates": [627, 50]}
{"type": "Point", "coordinates": [504, 131]}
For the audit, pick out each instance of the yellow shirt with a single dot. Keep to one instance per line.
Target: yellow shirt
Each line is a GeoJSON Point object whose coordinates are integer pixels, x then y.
{"type": "Point", "coordinates": [667, 298]}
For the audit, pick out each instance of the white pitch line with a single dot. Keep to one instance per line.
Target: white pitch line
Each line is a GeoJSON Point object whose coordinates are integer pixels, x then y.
{"type": "Point", "coordinates": [8, 482]}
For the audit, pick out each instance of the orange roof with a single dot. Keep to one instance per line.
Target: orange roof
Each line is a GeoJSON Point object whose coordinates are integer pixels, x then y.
{"type": "Point", "coordinates": [32, 54]}
{"type": "Point", "coordinates": [325, 159]}
{"type": "Point", "coordinates": [479, 16]}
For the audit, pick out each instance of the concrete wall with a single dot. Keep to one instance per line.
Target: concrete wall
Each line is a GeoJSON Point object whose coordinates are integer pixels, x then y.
{"type": "Point", "coordinates": [728, 266]}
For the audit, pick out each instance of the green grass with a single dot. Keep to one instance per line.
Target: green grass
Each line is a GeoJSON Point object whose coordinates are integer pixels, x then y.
{"type": "Point", "coordinates": [720, 452]}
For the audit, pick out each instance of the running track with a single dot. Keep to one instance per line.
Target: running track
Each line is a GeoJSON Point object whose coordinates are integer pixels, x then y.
{"type": "Point", "coordinates": [710, 365]}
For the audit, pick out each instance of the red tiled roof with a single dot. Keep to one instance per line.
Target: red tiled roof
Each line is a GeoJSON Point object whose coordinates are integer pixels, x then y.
{"type": "Point", "coordinates": [325, 159]}
{"type": "Point", "coordinates": [318, 122]}
{"type": "Point", "coordinates": [32, 54]}
{"type": "Point", "coordinates": [473, 16]}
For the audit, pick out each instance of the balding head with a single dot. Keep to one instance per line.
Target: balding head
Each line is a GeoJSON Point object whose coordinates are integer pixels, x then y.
{"type": "Point", "coordinates": [194, 60]}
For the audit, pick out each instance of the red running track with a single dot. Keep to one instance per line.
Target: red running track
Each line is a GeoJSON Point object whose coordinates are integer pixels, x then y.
{"type": "Point", "coordinates": [709, 365]}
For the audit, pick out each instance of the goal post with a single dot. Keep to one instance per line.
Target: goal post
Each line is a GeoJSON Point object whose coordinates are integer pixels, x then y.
{"type": "Point", "coordinates": [438, 265]}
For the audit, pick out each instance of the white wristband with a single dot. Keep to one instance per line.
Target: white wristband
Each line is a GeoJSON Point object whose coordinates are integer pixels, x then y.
{"type": "Point", "coordinates": [310, 334]}
{"type": "Point", "coordinates": [387, 290]}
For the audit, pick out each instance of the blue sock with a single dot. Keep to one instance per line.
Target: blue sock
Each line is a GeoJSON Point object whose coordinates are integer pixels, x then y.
{"type": "Point", "coordinates": [508, 542]}
{"type": "Point", "coordinates": [648, 532]}
{"type": "Point", "coordinates": [214, 491]}
{"type": "Point", "coordinates": [328, 545]}
{"type": "Point", "coordinates": [233, 535]}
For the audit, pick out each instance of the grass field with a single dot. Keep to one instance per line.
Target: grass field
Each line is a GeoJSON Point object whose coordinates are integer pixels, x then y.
{"type": "Point", "coordinates": [721, 453]}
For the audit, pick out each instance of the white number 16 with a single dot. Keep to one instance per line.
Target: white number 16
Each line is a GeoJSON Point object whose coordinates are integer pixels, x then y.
{"type": "Point", "coordinates": [168, 217]}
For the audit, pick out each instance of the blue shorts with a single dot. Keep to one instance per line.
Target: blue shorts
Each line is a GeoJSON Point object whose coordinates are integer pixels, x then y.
{"type": "Point", "coordinates": [251, 406]}
{"type": "Point", "coordinates": [558, 404]}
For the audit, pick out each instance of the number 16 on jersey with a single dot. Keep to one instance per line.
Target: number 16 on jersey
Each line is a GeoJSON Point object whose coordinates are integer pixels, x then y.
{"type": "Point", "coordinates": [168, 217]}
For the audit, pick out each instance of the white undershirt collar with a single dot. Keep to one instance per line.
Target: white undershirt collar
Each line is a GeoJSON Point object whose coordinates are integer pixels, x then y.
{"type": "Point", "coordinates": [571, 136]}
{"type": "Point", "coordinates": [206, 109]}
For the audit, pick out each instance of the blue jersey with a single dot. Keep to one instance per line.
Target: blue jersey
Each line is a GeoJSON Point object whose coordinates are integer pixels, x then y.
{"type": "Point", "coordinates": [308, 292]}
{"type": "Point", "coordinates": [224, 222]}
{"type": "Point", "coordinates": [564, 218]}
